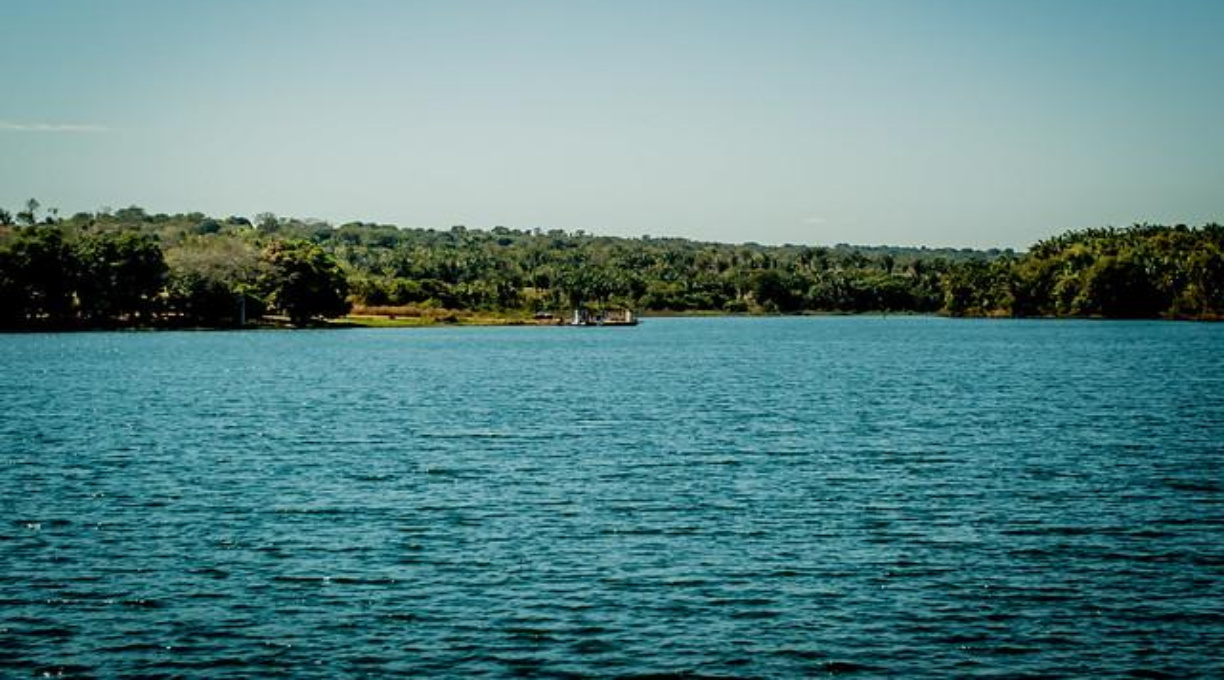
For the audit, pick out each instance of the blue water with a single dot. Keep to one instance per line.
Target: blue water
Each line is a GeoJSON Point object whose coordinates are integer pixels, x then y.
{"type": "Point", "coordinates": [721, 497]}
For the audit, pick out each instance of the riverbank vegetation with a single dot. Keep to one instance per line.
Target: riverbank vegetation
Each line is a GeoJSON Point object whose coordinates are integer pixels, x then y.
{"type": "Point", "coordinates": [130, 268]}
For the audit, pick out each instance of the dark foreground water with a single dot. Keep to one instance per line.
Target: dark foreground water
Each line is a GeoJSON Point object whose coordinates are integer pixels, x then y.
{"type": "Point", "coordinates": [723, 497]}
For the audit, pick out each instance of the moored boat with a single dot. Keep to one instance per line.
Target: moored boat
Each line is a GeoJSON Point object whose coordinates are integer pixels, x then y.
{"type": "Point", "coordinates": [603, 317]}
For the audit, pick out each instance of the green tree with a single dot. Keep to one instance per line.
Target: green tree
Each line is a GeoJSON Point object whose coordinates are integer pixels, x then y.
{"type": "Point", "coordinates": [120, 276]}
{"type": "Point", "coordinates": [1205, 290]}
{"type": "Point", "coordinates": [772, 290]}
{"type": "Point", "coordinates": [41, 272]}
{"type": "Point", "coordinates": [212, 281]}
{"type": "Point", "coordinates": [12, 292]}
{"type": "Point", "coordinates": [978, 288]}
{"type": "Point", "coordinates": [1119, 287]}
{"type": "Point", "coordinates": [29, 216]}
{"type": "Point", "coordinates": [304, 282]}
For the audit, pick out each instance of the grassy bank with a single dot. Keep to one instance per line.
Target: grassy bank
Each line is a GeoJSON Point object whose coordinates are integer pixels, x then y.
{"type": "Point", "coordinates": [423, 316]}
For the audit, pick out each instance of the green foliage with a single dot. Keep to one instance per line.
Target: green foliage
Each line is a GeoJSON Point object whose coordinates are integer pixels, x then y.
{"type": "Point", "coordinates": [130, 267]}
{"type": "Point", "coordinates": [303, 282]}
{"type": "Point", "coordinates": [1145, 271]}
{"type": "Point", "coordinates": [29, 216]}
{"type": "Point", "coordinates": [213, 281]}
{"type": "Point", "coordinates": [119, 277]}
{"type": "Point", "coordinates": [51, 279]}
{"type": "Point", "coordinates": [39, 271]}
{"type": "Point", "coordinates": [979, 288]}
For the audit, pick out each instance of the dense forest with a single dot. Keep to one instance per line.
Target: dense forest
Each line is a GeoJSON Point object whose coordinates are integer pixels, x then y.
{"type": "Point", "coordinates": [127, 268]}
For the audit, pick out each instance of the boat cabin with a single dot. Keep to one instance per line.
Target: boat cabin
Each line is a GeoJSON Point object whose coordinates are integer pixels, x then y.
{"type": "Point", "coordinates": [603, 317]}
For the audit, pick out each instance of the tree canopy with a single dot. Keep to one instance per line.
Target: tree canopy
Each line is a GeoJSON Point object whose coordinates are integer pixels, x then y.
{"type": "Point", "coordinates": [132, 268]}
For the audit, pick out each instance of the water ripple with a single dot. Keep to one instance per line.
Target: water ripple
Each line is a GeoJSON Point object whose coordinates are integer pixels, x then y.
{"type": "Point", "coordinates": [854, 497]}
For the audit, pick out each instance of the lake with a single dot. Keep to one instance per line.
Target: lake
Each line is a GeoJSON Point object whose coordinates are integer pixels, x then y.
{"type": "Point", "coordinates": [728, 497]}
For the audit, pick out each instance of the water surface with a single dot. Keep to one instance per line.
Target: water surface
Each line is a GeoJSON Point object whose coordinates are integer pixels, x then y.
{"type": "Point", "coordinates": [722, 497]}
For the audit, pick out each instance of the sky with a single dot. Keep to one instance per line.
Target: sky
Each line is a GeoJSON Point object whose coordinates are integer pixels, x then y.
{"type": "Point", "coordinates": [965, 123]}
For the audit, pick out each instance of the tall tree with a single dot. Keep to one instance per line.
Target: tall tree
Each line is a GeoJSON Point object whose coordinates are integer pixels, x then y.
{"type": "Point", "coordinates": [42, 272]}
{"type": "Point", "coordinates": [29, 216]}
{"type": "Point", "coordinates": [120, 277]}
{"type": "Point", "coordinates": [304, 282]}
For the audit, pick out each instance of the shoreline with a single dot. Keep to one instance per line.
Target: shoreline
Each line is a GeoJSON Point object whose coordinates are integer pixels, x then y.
{"type": "Point", "coordinates": [492, 320]}
{"type": "Point", "coordinates": [367, 321]}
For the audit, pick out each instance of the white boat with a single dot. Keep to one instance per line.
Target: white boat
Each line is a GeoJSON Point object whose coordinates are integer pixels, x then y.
{"type": "Point", "coordinates": [603, 317]}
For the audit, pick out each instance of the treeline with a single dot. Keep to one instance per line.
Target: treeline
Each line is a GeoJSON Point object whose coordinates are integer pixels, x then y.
{"type": "Point", "coordinates": [1145, 271]}
{"type": "Point", "coordinates": [132, 268]}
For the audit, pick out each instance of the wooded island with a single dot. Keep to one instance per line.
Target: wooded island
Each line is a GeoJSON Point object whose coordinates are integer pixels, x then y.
{"type": "Point", "coordinates": [129, 268]}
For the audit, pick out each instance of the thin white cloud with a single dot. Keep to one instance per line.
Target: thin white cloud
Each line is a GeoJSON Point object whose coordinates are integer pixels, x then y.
{"type": "Point", "coordinates": [12, 126]}
{"type": "Point", "coordinates": [815, 220]}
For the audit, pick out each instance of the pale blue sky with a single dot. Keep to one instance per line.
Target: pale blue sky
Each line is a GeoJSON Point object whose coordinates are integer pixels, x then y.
{"type": "Point", "coordinates": [965, 123]}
